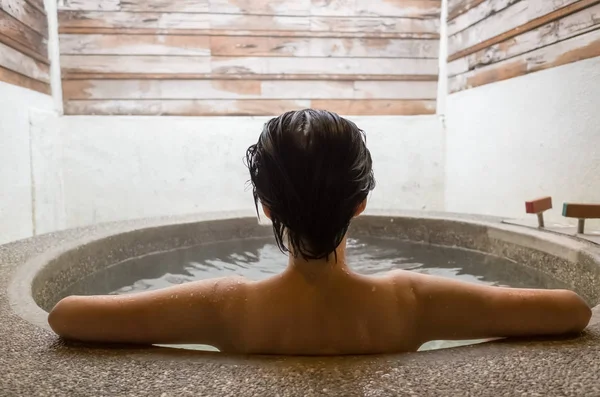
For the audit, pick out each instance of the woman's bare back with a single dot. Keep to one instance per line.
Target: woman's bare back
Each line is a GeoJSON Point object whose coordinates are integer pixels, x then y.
{"type": "Point", "coordinates": [320, 314]}
{"type": "Point", "coordinates": [350, 315]}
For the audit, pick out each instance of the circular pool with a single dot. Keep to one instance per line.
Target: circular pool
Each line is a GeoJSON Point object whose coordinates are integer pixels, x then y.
{"type": "Point", "coordinates": [134, 256]}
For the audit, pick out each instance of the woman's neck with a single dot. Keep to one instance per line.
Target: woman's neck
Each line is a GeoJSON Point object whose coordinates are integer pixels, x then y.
{"type": "Point", "coordinates": [317, 270]}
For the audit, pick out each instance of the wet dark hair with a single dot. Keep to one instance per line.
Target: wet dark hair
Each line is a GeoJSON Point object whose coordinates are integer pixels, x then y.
{"type": "Point", "coordinates": [312, 170]}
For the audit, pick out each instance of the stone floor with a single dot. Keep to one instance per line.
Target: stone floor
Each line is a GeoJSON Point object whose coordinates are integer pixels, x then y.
{"type": "Point", "coordinates": [34, 363]}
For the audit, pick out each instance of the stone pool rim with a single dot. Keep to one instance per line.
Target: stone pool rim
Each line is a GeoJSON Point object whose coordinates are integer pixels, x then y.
{"type": "Point", "coordinates": [23, 303]}
{"type": "Point", "coordinates": [36, 363]}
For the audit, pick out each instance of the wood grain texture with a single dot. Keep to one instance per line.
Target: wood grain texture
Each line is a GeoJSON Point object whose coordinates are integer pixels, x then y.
{"type": "Point", "coordinates": [253, 33]}
{"type": "Point", "coordinates": [17, 62]}
{"type": "Point", "coordinates": [128, 20]}
{"type": "Point", "coordinates": [39, 4]}
{"type": "Point", "coordinates": [136, 5]}
{"type": "Point", "coordinates": [10, 77]}
{"type": "Point", "coordinates": [244, 65]}
{"type": "Point", "coordinates": [261, 7]}
{"type": "Point", "coordinates": [570, 26]}
{"type": "Point", "coordinates": [380, 8]}
{"type": "Point", "coordinates": [478, 14]}
{"type": "Point", "coordinates": [165, 5]}
{"type": "Point", "coordinates": [459, 7]}
{"type": "Point", "coordinates": [246, 107]}
{"type": "Point", "coordinates": [134, 64]}
{"type": "Point", "coordinates": [376, 107]}
{"type": "Point", "coordinates": [244, 76]}
{"type": "Point", "coordinates": [565, 52]}
{"type": "Point", "coordinates": [18, 36]}
{"type": "Point", "coordinates": [28, 15]}
{"type": "Point", "coordinates": [385, 8]}
{"type": "Point", "coordinates": [184, 107]}
{"type": "Point", "coordinates": [322, 47]}
{"type": "Point", "coordinates": [507, 23]}
{"type": "Point", "coordinates": [90, 5]}
{"type": "Point", "coordinates": [246, 89]}
{"type": "Point", "coordinates": [278, 65]}
{"type": "Point", "coordinates": [249, 57]}
{"type": "Point", "coordinates": [350, 8]}
{"type": "Point", "coordinates": [94, 44]}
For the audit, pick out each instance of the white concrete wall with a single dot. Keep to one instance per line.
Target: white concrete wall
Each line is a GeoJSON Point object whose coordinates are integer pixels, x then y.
{"type": "Point", "coordinates": [16, 194]}
{"type": "Point", "coordinates": [117, 168]}
{"type": "Point", "coordinates": [531, 136]}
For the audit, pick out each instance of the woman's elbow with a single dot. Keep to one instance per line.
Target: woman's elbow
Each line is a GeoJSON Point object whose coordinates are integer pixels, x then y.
{"type": "Point", "coordinates": [60, 317]}
{"type": "Point", "coordinates": [578, 311]}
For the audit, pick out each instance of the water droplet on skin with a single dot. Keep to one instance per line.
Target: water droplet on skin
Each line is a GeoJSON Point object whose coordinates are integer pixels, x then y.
{"type": "Point", "coordinates": [373, 289]}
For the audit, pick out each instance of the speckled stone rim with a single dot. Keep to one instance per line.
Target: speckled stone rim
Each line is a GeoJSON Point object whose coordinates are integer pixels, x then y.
{"type": "Point", "coordinates": [37, 285]}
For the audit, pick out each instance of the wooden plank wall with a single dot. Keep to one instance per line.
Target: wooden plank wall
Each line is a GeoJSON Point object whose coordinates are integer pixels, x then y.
{"type": "Point", "coordinates": [23, 44]}
{"type": "Point", "coordinates": [249, 57]}
{"type": "Point", "coordinates": [494, 40]}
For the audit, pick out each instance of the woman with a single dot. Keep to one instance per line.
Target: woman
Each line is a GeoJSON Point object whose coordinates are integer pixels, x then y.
{"type": "Point", "coordinates": [311, 173]}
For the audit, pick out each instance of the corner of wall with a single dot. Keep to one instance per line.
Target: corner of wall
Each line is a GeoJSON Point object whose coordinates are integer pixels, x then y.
{"type": "Point", "coordinates": [54, 54]}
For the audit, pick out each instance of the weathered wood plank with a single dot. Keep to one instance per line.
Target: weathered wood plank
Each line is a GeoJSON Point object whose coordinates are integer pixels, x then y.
{"type": "Point", "coordinates": [510, 22]}
{"type": "Point", "coordinates": [20, 37]}
{"type": "Point", "coordinates": [26, 14]}
{"type": "Point", "coordinates": [90, 5]}
{"type": "Point", "coordinates": [385, 8]}
{"type": "Point", "coordinates": [134, 64]}
{"type": "Point", "coordinates": [350, 8]}
{"type": "Point", "coordinates": [381, 8]}
{"type": "Point", "coordinates": [376, 107]}
{"type": "Point", "coordinates": [10, 77]}
{"type": "Point", "coordinates": [570, 26]}
{"type": "Point", "coordinates": [243, 76]}
{"type": "Point", "coordinates": [251, 33]}
{"type": "Point", "coordinates": [162, 89]}
{"type": "Point", "coordinates": [95, 19]}
{"type": "Point", "coordinates": [395, 89]}
{"type": "Point", "coordinates": [459, 7]}
{"type": "Point", "coordinates": [166, 5]}
{"type": "Point", "coordinates": [128, 20]}
{"type": "Point", "coordinates": [136, 5]}
{"type": "Point", "coordinates": [22, 64]}
{"type": "Point", "coordinates": [184, 107]}
{"type": "Point", "coordinates": [565, 52]}
{"type": "Point", "coordinates": [322, 47]}
{"type": "Point", "coordinates": [39, 4]}
{"type": "Point", "coordinates": [245, 107]}
{"type": "Point", "coordinates": [374, 24]}
{"type": "Point", "coordinates": [392, 8]}
{"type": "Point", "coordinates": [246, 65]}
{"type": "Point", "coordinates": [246, 89]}
{"type": "Point", "coordinates": [264, 7]}
{"type": "Point", "coordinates": [478, 14]}
{"type": "Point", "coordinates": [277, 65]}
{"type": "Point", "coordinates": [92, 44]}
